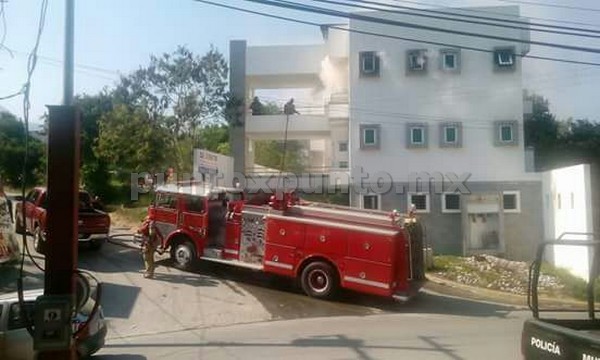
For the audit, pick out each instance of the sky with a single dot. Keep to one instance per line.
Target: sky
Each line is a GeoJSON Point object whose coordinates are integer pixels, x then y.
{"type": "Point", "coordinates": [114, 37]}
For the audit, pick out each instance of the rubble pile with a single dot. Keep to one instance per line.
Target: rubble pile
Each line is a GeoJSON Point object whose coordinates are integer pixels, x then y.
{"type": "Point", "coordinates": [498, 274]}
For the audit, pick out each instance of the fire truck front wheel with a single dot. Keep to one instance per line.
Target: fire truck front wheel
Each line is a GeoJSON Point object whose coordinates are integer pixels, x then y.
{"type": "Point", "coordinates": [183, 255]}
{"type": "Point", "coordinates": [319, 280]}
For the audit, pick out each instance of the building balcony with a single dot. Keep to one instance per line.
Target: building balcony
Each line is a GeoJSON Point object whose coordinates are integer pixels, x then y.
{"type": "Point", "coordinates": [300, 126]}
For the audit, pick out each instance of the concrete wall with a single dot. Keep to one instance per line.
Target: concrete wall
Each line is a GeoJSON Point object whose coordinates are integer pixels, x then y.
{"type": "Point", "coordinates": [287, 59]}
{"type": "Point", "coordinates": [476, 96]}
{"type": "Point", "coordinates": [568, 207]}
{"type": "Point", "coordinates": [522, 230]}
{"type": "Point", "coordinates": [237, 86]}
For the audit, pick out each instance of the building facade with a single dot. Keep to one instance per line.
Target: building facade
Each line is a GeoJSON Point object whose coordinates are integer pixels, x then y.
{"type": "Point", "coordinates": [430, 121]}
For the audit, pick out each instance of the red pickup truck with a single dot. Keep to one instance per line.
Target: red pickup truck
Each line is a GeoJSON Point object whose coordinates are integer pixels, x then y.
{"type": "Point", "coordinates": [94, 225]}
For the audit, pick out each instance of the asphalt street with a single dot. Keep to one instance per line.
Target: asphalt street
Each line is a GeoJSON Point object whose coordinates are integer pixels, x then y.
{"type": "Point", "coordinates": [221, 312]}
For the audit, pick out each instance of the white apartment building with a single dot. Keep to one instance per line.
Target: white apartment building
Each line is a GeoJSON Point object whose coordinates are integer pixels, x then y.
{"type": "Point", "coordinates": [445, 109]}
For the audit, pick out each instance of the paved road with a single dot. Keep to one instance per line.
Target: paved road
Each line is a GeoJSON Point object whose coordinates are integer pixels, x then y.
{"type": "Point", "coordinates": [227, 313]}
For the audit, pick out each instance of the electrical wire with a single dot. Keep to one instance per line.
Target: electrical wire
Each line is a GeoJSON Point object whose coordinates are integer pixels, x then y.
{"type": "Point", "coordinates": [382, 21]}
{"type": "Point", "coordinates": [31, 65]}
{"type": "Point", "coordinates": [357, 4]}
{"type": "Point", "coordinates": [20, 92]}
{"type": "Point", "coordinates": [500, 17]}
{"type": "Point", "coordinates": [559, 6]}
{"type": "Point", "coordinates": [488, 12]}
{"type": "Point", "coordinates": [4, 29]}
{"type": "Point", "coordinates": [357, 31]}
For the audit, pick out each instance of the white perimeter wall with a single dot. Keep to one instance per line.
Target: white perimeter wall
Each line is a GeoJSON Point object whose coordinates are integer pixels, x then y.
{"type": "Point", "coordinates": [568, 208]}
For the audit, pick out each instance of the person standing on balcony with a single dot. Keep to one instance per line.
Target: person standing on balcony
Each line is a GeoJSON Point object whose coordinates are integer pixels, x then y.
{"type": "Point", "coordinates": [289, 108]}
{"type": "Point", "coordinates": [257, 107]}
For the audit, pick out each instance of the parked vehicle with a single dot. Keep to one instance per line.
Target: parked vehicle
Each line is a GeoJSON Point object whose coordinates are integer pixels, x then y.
{"type": "Point", "coordinates": [325, 247]}
{"type": "Point", "coordinates": [15, 341]}
{"type": "Point", "coordinates": [94, 225]}
{"type": "Point", "coordinates": [562, 336]}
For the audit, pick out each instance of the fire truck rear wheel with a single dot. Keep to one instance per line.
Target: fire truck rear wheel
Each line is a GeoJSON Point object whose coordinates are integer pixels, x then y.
{"type": "Point", "coordinates": [319, 280]}
{"type": "Point", "coordinates": [183, 255]}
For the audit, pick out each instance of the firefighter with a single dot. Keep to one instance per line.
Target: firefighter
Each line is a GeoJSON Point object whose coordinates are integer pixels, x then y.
{"type": "Point", "coordinates": [150, 239]}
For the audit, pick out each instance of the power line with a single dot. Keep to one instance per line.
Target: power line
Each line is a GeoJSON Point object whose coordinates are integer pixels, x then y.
{"type": "Point", "coordinates": [559, 6]}
{"type": "Point", "coordinates": [360, 17]}
{"type": "Point", "coordinates": [31, 65]}
{"type": "Point", "coordinates": [341, 28]}
{"type": "Point", "coordinates": [4, 28]}
{"type": "Point", "coordinates": [11, 95]}
{"type": "Point", "coordinates": [498, 22]}
{"type": "Point", "coordinates": [479, 11]}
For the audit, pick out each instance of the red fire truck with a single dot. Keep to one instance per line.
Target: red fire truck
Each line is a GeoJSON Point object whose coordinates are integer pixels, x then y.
{"type": "Point", "coordinates": [324, 246]}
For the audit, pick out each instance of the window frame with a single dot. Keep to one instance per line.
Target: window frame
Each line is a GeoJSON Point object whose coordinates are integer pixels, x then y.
{"type": "Point", "coordinates": [172, 203]}
{"type": "Point", "coordinates": [343, 162]}
{"type": "Point", "coordinates": [410, 69]}
{"type": "Point", "coordinates": [362, 201]}
{"type": "Point", "coordinates": [421, 129]}
{"type": "Point", "coordinates": [410, 144]}
{"type": "Point", "coordinates": [445, 210]}
{"type": "Point", "coordinates": [455, 134]}
{"type": "Point", "coordinates": [409, 202]}
{"type": "Point", "coordinates": [343, 144]}
{"type": "Point", "coordinates": [517, 208]}
{"type": "Point", "coordinates": [499, 125]}
{"type": "Point", "coordinates": [501, 132]}
{"type": "Point", "coordinates": [362, 57]}
{"type": "Point", "coordinates": [457, 61]}
{"type": "Point", "coordinates": [376, 136]}
{"type": "Point", "coordinates": [458, 135]}
{"type": "Point", "coordinates": [499, 64]}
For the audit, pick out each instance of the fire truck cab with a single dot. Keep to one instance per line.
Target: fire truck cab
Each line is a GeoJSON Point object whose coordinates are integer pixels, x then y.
{"type": "Point", "coordinates": [323, 246]}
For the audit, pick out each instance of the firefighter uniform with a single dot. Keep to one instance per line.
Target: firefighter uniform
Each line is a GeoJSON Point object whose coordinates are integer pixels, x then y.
{"type": "Point", "coordinates": [149, 245]}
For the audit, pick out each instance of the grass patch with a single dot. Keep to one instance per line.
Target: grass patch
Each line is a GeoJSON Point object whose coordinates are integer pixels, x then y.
{"type": "Point", "coordinates": [511, 276]}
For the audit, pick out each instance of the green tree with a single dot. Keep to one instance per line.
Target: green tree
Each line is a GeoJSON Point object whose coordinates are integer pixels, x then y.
{"type": "Point", "coordinates": [132, 141]}
{"type": "Point", "coordinates": [269, 153]}
{"type": "Point", "coordinates": [95, 175]}
{"type": "Point", "coordinates": [181, 90]}
{"type": "Point", "coordinates": [12, 153]}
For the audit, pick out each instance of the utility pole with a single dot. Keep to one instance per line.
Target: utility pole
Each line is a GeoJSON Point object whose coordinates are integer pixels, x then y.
{"type": "Point", "coordinates": [62, 212]}
{"type": "Point", "coordinates": [69, 52]}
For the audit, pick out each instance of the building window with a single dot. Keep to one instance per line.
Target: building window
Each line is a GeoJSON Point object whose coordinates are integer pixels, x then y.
{"type": "Point", "coordinates": [370, 202]}
{"type": "Point", "coordinates": [369, 63]}
{"type": "Point", "coordinates": [343, 164]}
{"type": "Point", "coordinates": [451, 203]}
{"type": "Point", "coordinates": [511, 201]}
{"type": "Point", "coordinates": [450, 60]}
{"type": "Point", "coordinates": [504, 58]}
{"type": "Point", "coordinates": [420, 202]}
{"type": "Point", "coordinates": [416, 61]}
{"type": "Point", "coordinates": [416, 135]}
{"type": "Point", "coordinates": [451, 134]}
{"type": "Point", "coordinates": [343, 146]}
{"type": "Point", "coordinates": [369, 136]}
{"type": "Point", "coordinates": [506, 133]}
